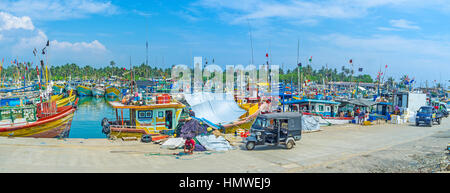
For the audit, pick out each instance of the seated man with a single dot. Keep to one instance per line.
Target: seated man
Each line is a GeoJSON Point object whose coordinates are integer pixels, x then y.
{"type": "Point", "coordinates": [189, 145]}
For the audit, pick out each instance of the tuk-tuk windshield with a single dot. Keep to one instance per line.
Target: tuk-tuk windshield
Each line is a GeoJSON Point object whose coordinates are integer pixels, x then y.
{"type": "Point", "coordinates": [260, 123]}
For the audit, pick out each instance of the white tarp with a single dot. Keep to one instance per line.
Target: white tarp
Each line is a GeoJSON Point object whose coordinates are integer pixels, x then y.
{"type": "Point", "coordinates": [173, 143]}
{"type": "Point", "coordinates": [214, 107]}
{"type": "Point", "coordinates": [310, 123]}
{"type": "Point", "coordinates": [213, 143]}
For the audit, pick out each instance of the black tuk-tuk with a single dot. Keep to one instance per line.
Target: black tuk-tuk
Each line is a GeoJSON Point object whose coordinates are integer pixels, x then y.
{"type": "Point", "coordinates": [274, 129]}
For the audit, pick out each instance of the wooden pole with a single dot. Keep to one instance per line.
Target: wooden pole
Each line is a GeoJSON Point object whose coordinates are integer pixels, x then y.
{"type": "Point", "coordinates": [121, 114]}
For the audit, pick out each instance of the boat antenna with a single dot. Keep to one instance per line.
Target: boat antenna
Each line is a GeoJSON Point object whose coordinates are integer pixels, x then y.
{"type": "Point", "coordinates": [298, 67]}
{"type": "Point", "coordinates": [251, 40]}
{"type": "Point", "coordinates": [146, 47]}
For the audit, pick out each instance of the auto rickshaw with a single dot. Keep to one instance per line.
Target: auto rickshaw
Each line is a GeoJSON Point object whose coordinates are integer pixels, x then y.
{"type": "Point", "coordinates": [275, 129]}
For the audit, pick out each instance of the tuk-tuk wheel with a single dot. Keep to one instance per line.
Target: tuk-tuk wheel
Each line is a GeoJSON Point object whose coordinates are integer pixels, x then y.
{"type": "Point", "coordinates": [290, 144]}
{"type": "Point", "coordinates": [250, 145]}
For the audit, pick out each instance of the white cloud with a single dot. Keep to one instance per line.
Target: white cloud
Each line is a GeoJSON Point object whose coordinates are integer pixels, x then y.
{"type": "Point", "coordinates": [37, 40]}
{"type": "Point", "coordinates": [59, 9]}
{"type": "Point", "coordinates": [186, 15]}
{"type": "Point", "coordinates": [61, 52]}
{"type": "Point", "coordinates": [79, 47]}
{"type": "Point", "coordinates": [142, 13]}
{"type": "Point", "coordinates": [9, 22]}
{"type": "Point", "coordinates": [388, 29]}
{"type": "Point", "coordinates": [403, 24]}
{"type": "Point", "coordinates": [237, 11]}
{"type": "Point", "coordinates": [22, 41]}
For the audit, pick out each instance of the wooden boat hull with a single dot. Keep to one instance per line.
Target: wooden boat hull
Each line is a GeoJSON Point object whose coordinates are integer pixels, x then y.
{"type": "Point", "coordinates": [128, 132]}
{"type": "Point", "coordinates": [65, 101]}
{"type": "Point", "coordinates": [58, 88]}
{"type": "Point", "coordinates": [112, 92]}
{"type": "Point", "coordinates": [98, 92]}
{"type": "Point", "coordinates": [57, 125]}
{"type": "Point", "coordinates": [84, 91]}
{"type": "Point", "coordinates": [56, 97]}
{"type": "Point", "coordinates": [246, 122]}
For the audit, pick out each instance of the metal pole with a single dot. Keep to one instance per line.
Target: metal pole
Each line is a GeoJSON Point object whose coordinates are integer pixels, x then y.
{"type": "Point", "coordinates": [251, 40]}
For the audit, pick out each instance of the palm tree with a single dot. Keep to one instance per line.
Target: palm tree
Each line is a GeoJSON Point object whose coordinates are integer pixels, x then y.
{"type": "Point", "coordinates": [112, 63]}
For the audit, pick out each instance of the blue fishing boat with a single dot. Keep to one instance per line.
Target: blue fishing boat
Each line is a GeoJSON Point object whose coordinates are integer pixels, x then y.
{"type": "Point", "coordinates": [84, 89]}
{"type": "Point", "coordinates": [112, 92]}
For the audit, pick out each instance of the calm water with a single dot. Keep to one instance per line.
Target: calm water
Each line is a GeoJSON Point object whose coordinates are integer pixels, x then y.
{"type": "Point", "coordinates": [87, 120]}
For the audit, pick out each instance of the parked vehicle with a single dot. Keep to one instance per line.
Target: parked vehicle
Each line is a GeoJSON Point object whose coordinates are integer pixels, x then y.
{"type": "Point", "coordinates": [275, 129]}
{"type": "Point", "coordinates": [444, 112]}
{"type": "Point", "coordinates": [427, 115]}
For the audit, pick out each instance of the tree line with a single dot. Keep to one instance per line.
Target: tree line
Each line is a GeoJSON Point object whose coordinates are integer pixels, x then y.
{"type": "Point", "coordinates": [143, 71]}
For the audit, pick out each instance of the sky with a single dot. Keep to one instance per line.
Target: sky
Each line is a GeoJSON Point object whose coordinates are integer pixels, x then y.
{"type": "Point", "coordinates": [411, 37]}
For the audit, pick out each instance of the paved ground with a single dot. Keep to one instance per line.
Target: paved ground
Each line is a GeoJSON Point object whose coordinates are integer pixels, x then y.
{"type": "Point", "coordinates": [348, 148]}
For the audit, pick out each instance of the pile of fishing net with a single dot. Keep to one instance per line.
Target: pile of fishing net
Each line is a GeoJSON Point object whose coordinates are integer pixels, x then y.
{"type": "Point", "coordinates": [193, 128]}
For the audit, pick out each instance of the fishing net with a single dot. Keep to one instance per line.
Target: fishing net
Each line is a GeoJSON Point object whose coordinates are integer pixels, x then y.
{"type": "Point", "coordinates": [192, 128]}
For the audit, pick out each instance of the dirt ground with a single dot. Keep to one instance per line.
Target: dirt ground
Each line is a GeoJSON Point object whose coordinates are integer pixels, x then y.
{"type": "Point", "coordinates": [381, 148]}
{"type": "Point", "coordinates": [425, 155]}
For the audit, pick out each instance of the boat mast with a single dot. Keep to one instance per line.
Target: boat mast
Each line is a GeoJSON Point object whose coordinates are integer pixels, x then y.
{"type": "Point", "coordinates": [298, 68]}
{"type": "Point", "coordinates": [131, 77]}
{"type": "Point", "coordinates": [251, 40]}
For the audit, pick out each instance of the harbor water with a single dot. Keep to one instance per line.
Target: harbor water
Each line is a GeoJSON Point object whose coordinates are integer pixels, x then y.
{"type": "Point", "coordinates": [88, 116]}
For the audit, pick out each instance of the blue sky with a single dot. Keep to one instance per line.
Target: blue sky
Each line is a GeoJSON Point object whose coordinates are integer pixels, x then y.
{"type": "Point", "coordinates": [410, 36]}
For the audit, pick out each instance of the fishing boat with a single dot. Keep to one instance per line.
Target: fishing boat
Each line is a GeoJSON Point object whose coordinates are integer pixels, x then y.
{"type": "Point", "coordinates": [246, 120]}
{"type": "Point", "coordinates": [44, 120]}
{"type": "Point", "coordinates": [112, 91]}
{"type": "Point", "coordinates": [58, 88]}
{"type": "Point", "coordinates": [155, 118]}
{"type": "Point", "coordinates": [99, 90]}
{"type": "Point", "coordinates": [325, 110]}
{"type": "Point", "coordinates": [84, 89]}
{"type": "Point", "coordinates": [65, 101]}
{"type": "Point", "coordinates": [56, 97]}
{"type": "Point", "coordinates": [18, 99]}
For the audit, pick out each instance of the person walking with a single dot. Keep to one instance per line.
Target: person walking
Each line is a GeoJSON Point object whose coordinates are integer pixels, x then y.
{"type": "Point", "coordinates": [358, 116]}
{"type": "Point", "coordinates": [361, 117]}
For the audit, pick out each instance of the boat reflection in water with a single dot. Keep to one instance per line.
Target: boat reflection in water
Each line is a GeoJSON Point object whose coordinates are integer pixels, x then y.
{"type": "Point", "coordinates": [90, 110]}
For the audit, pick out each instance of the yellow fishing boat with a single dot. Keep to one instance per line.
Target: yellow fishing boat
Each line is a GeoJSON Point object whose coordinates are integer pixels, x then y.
{"type": "Point", "coordinates": [63, 102]}
{"type": "Point", "coordinates": [246, 120]}
{"type": "Point", "coordinates": [254, 106]}
{"type": "Point", "coordinates": [56, 97]}
{"type": "Point", "coordinates": [112, 91]}
{"type": "Point", "coordinates": [43, 120]}
{"type": "Point", "coordinates": [144, 119]}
